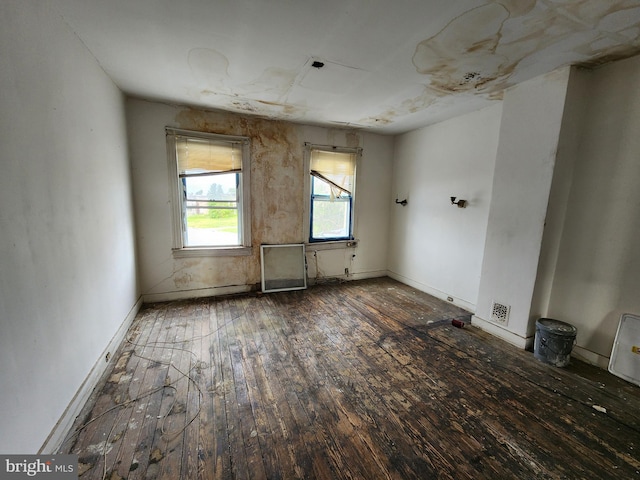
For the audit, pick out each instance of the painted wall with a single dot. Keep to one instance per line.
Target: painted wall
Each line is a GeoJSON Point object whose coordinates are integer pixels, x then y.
{"type": "Point", "coordinates": [434, 245]}
{"type": "Point", "coordinates": [67, 253]}
{"type": "Point", "coordinates": [277, 206]}
{"type": "Point", "coordinates": [567, 156]}
{"type": "Point", "coordinates": [529, 135]}
{"type": "Point", "coordinates": [563, 195]}
{"type": "Point", "coordinates": [597, 276]}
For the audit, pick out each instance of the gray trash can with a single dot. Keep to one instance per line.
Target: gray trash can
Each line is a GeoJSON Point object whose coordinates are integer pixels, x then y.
{"type": "Point", "coordinates": [554, 341]}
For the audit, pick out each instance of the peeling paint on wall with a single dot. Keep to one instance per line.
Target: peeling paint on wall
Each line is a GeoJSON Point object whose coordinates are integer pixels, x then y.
{"type": "Point", "coordinates": [277, 198]}
{"type": "Point", "coordinates": [276, 189]}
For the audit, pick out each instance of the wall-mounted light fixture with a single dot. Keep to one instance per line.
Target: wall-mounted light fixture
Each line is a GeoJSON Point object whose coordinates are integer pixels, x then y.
{"type": "Point", "coordinates": [459, 203]}
{"type": "Point", "coordinates": [402, 202]}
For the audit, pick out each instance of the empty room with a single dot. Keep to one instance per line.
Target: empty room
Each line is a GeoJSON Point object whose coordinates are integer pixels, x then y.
{"type": "Point", "coordinates": [275, 239]}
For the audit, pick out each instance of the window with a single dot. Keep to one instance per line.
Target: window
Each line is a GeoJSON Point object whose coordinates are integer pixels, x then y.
{"type": "Point", "coordinates": [332, 178]}
{"type": "Point", "coordinates": [210, 185]}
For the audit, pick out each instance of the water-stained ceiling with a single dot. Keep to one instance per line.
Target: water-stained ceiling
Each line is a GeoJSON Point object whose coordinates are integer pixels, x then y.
{"type": "Point", "coordinates": [379, 65]}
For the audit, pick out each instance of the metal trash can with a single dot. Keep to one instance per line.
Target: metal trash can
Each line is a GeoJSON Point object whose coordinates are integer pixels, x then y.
{"type": "Point", "coordinates": [554, 341]}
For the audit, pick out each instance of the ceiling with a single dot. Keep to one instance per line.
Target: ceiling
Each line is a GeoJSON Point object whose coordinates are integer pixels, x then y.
{"type": "Point", "coordinates": [388, 66]}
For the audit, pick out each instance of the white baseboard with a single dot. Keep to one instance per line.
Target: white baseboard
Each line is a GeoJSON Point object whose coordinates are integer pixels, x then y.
{"type": "Point", "coordinates": [525, 343]}
{"type": "Point", "coordinates": [365, 275]}
{"type": "Point", "coordinates": [470, 307]}
{"type": "Point", "coordinates": [346, 278]}
{"type": "Point", "coordinates": [64, 425]}
{"type": "Point", "coordinates": [234, 289]}
{"type": "Point", "coordinates": [590, 357]}
{"type": "Point", "coordinates": [196, 293]}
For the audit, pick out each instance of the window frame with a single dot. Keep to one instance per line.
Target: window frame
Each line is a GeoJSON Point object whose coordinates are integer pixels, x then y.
{"type": "Point", "coordinates": [177, 200]}
{"type": "Point", "coordinates": [336, 242]}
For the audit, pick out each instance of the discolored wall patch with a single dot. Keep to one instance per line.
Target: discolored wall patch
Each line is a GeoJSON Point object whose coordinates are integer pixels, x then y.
{"type": "Point", "coordinates": [276, 187]}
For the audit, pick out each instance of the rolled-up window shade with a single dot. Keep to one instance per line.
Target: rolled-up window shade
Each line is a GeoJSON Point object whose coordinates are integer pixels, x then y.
{"type": "Point", "coordinates": [197, 155]}
{"type": "Point", "coordinates": [337, 168]}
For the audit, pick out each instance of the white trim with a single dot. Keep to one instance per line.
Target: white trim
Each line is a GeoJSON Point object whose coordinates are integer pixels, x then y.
{"type": "Point", "coordinates": [244, 188]}
{"type": "Point", "coordinates": [176, 203]}
{"type": "Point", "coordinates": [371, 274]}
{"type": "Point", "coordinates": [470, 307]}
{"type": "Point", "coordinates": [349, 278]}
{"type": "Point", "coordinates": [526, 343]}
{"type": "Point", "coordinates": [65, 423]}
{"type": "Point", "coordinates": [195, 293]}
{"type": "Point", "coordinates": [212, 252]}
{"type": "Point", "coordinates": [333, 148]}
{"type": "Point", "coordinates": [335, 245]}
{"type": "Point", "coordinates": [590, 357]}
{"type": "Point", "coordinates": [307, 189]}
{"type": "Point", "coordinates": [307, 192]}
{"type": "Point", "coordinates": [206, 135]}
{"type": "Point", "coordinates": [245, 191]}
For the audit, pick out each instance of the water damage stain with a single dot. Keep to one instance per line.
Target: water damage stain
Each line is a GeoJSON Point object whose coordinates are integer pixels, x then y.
{"type": "Point", "coordinates": [480, 52]}
{"type": "Point", "coordinates": [277, 153]}
{"type": "Point", "coordinates": [264, 94]}
{"type": "Point", "coordinates": [489, 48]}
{"type": "Point", "coordinates": [467, 44]}
{"type": "Point", "coordinates": [211, 68]}
{"type": "Point", "coordinates": [484, 49]}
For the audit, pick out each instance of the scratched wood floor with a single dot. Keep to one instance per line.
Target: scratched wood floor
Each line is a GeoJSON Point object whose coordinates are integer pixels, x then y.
{"type": "Point", "coordinates": [362, 380]}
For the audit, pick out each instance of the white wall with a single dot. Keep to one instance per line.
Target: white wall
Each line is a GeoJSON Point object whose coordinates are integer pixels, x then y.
{"type": "Point", "coordinates": [434, 245]}
{"type": "Point", "coordinates": [277, 208]}
{"type": "Point", "coordinates": [566, 158]}
{"type": "Point", "coordinates": [67, 255]}
{"type": "Point", "coordinates": [529, 134]}
{"type": "Point", "coordinates": [562, 184]}
{"type": "Point", "coordinates": [597, 275]}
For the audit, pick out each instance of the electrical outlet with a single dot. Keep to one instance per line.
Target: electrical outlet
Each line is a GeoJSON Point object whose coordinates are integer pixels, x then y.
{"type": "Point", "coordinates": [346, 272]}
{"type": "Point", "coordinates": [449, 299]}
{"type": "Point", "coordinates": [107, 356]}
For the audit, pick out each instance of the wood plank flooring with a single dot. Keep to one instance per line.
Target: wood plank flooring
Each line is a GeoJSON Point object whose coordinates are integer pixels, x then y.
{"type": "Point", "coordinates": [361, 380]}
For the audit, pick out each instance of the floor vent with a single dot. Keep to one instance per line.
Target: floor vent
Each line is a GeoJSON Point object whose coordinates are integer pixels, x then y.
{"type": "Point", "coordinates": [500, 313]}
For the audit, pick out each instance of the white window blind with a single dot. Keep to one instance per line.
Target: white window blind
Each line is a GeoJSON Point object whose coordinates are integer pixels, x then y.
{"type": "Point", "coordinates": [210, 192]}
{"type": "Point", "coordinates": [197, 155]}
{"type": "Point", "coordinates": [336, 168]}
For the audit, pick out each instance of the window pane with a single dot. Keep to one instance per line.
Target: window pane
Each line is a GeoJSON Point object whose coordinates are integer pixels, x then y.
{"type": "Point", "coordinates": [330, 219]}
{"type": "Point", "coordinates": [320, 187]}
{"type": "Point", "coordinates": [211, 210]}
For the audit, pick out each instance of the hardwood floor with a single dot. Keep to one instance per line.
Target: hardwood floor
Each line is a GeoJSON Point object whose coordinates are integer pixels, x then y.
{"type": "Point", "coordinates": [362, 380]}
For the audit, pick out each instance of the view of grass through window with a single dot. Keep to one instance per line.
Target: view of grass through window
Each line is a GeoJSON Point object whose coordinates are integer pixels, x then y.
{"type": "Point", "coordinates": [212, 210]}
{"type": "Point", "coordinates": [224, 220]}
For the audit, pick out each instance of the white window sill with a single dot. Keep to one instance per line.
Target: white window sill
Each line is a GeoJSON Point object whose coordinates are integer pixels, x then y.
{"type": "Point", "coordinates": [212, 252]}
{"type": "Point", "coordinates": [334, 245]}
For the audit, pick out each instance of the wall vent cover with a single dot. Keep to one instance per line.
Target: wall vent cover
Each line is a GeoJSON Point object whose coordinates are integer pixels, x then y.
{"type": "Point", "coordinates": [500, 313]}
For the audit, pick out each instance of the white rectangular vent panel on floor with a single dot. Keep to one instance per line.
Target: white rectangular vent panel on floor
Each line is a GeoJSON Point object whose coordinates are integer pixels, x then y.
{"type": "Point", "coordinates": [500, 313]}
{"type": "Point", "coordinates": [625, 355]}
{"type": "Point", "coordinates": [283, 267]}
